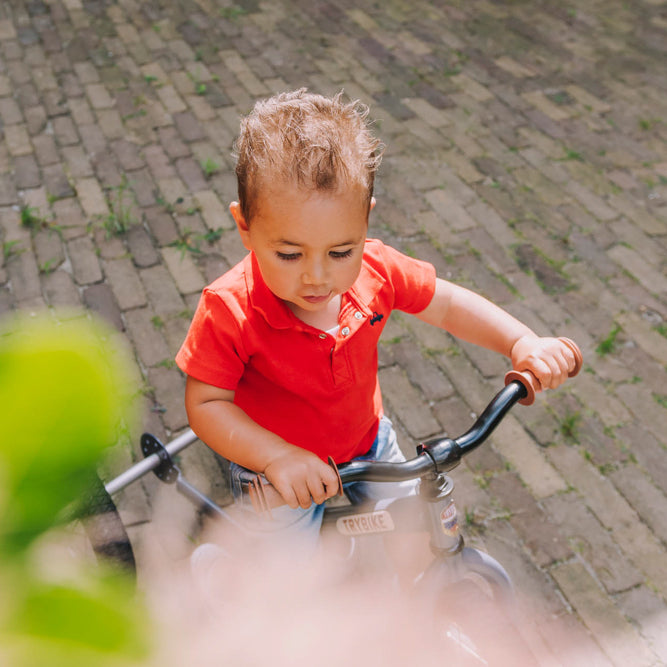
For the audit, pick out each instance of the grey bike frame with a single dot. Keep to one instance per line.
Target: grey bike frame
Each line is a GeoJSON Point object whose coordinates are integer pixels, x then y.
{"type": "Point", "coordinates": [434, 457]}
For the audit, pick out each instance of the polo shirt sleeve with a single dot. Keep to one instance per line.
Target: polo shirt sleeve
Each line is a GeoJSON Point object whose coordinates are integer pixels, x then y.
{"type": "Point", "coordinates": [413, 280]}
{"type": "Point", "coordinates": [213, 349]}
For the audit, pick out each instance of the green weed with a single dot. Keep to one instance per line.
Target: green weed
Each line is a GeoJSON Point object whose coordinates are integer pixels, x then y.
{"type": "Point", "coordinates": [212, 235]}
{"type": "Point", "coordinates": [136, 114]}
{"type": "Point", "coordinates": [121, 216]}
{"type": "Point", "coordinates": [31, 218]}
{"type": "Point", "coordinates": [200, 86]}
{"type": "Point", "coordinates": [606, 469]}
{"type": "Point", "coordinates": [169, 206]}
{"type": "Point", "coordinates": [209, 167]}
{"type": "Point", "coordinates": [569, 425]}
{"type": "Point", "coordinates": [392, 341]}
{"type": "Point", "coordinates": [608, 345]}
{"type": "Point", "coordinates": [232, 13]}
{"type": "Point", "coordinates": [48, 266]}
{"type": "Point", "coordinates": [187, 242]}
{"type": "Point", "coordinates": [482, 481]}
{"type": "Point", "coordinates": [571, 154]}
{"type": "Point", "coordinates": [10, 249]}
{"type": "Point", "coordinates": [647, 124]}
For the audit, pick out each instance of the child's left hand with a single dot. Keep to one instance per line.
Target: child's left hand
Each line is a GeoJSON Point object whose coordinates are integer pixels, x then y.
{"type": "Point", "coordinates": [550, 360]}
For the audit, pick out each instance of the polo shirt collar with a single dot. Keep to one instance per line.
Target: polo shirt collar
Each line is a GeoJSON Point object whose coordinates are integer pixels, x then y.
{"type": "Point", "coordinates": [277, 314]}
{"type": "Point", "coordinates": [263, 300]}
{"type": "Point", "coordinates": [366, 287]}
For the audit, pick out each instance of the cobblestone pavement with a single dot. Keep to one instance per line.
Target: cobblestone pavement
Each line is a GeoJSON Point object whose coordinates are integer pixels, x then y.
{"type": "Point", "coordinates": [526, 157]}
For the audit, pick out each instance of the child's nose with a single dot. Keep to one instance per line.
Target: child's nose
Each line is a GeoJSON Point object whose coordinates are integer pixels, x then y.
{"type": "Point", "coordinates": [315, 274]}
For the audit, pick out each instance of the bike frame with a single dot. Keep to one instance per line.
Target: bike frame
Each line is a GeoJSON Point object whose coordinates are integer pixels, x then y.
{"type": "Point", "coordinates": [432, 508]}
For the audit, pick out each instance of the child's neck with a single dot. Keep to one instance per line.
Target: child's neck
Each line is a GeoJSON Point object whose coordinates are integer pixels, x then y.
{"type": "Point", "coordinates": [324, 319]}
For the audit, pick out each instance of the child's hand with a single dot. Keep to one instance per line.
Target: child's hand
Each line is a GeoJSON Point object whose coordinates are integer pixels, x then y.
{"type": "Point", "coordinates": [299, 476]}
{"type": "Point", "coordinates": [548, 359]}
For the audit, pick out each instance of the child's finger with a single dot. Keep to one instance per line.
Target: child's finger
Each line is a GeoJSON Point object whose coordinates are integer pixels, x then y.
{"type": "Point", "coordinates": [290, 497]}
{"type": "Point", "coordinates": [302, 493]}
{"type": "Point", "coordinates": [317, 490]}
{"type": "Point", "coordinates": [324, 485]}
{"type": "Point", "coordinates": [541, 370]}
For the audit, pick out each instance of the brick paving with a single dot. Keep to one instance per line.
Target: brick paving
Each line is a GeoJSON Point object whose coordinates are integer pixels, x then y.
{"type": "Point", "coordinates": [526, 158]}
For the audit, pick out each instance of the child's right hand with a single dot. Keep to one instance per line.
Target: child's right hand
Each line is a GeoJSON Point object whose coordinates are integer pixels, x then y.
{"type": "Point", "coordinates": [301, 477]}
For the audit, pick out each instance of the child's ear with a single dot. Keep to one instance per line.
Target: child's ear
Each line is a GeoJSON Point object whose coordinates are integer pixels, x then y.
{"type": "Point", "coordinates": [372, 206]}
{"type": "Point", "coordinates": [241, 224]}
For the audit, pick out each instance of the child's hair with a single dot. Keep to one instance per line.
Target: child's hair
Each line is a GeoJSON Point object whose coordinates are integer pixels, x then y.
{"type": "Point", "coordinates": [317, 142]}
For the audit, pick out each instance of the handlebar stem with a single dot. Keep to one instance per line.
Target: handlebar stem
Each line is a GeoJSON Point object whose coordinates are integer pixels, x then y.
{"type": "Point", "coordinates": [445, 453]}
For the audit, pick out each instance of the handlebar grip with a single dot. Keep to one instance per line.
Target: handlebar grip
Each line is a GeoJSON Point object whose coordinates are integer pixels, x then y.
{"type": "Point", "coordinates": [578, 356]}
{"type": "Point", "coordinates": [532, 384]}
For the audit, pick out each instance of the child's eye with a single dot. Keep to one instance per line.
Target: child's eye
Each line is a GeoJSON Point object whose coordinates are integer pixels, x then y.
{"type": "Point", "coordinates": [287, 256]}
{"type": "Point", "coordinates": [340, 254]}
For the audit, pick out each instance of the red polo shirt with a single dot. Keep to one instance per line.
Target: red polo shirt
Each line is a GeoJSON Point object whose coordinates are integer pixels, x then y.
{"type": "Point", "coordinates": [315, 390]}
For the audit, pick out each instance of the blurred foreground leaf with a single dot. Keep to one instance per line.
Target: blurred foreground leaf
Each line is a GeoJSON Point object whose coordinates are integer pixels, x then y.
{"type": "Point", "coordinates": [64, 398]}
{"type": "Point", "coordinates": [63, 395]}
{"type": "Point", "coordinates": [66, 625]}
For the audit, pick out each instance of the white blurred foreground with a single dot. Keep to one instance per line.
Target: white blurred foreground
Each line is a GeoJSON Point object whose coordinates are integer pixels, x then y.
{"type": "Point", "coordinates": [283, 610]}
{"type": "Point", "coordinates": [280, 609]}
{"type": "Point", "coordinates": [272, 608]}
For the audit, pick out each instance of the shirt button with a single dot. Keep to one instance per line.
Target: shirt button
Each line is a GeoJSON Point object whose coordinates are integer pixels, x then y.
{"type": "Point", "coordinates": [323, 336]}
{"type": "Point", "coordinates": [345, 331]}
{"type": "Point", "coordinates": [358, 315]}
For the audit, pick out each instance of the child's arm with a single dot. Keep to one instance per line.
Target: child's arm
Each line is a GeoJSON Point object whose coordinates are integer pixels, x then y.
{"type": "Point", "coordinates": [474, 319]}
{"type": "Point", "coordinates": [297, 474]}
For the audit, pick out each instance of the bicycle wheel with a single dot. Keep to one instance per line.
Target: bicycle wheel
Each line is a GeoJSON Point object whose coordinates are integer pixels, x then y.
{"type": "Point", "coordinates": [473, 610]}
{"type": "Point", "coordinates": [105, 530]}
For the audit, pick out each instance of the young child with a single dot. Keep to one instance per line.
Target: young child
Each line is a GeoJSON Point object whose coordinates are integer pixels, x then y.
{"type": "Point", "coordinates": [281, 356]}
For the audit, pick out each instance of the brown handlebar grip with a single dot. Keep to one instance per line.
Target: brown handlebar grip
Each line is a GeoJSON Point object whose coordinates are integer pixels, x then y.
{"type": "Point", "coordinates": [528, 380]}
{"type": "Point", "coordinates": [332, 463]}
{"type": "Point", "coordinates": [578, 357]}
{"type": "Point", "coordinates": [532, 384]}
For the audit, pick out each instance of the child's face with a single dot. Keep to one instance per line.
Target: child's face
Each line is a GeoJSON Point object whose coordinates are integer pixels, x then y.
{"type": "Point", "coordinates": [308, 245]}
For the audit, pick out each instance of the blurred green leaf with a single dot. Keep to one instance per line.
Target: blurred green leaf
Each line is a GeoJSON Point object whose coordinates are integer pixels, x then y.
{"type": "Point", "coordinates": [75, 626]}
{"type": "Point", "coordinates": [63, 395]}
{"type": "Point", "coordinates": [64, 398]}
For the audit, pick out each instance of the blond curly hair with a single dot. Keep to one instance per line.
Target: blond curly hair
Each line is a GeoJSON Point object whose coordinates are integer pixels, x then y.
{"type": "Point", "coordinates": [319, 143]}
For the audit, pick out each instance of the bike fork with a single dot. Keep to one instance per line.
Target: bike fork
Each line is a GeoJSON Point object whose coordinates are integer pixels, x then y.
{"type": "Point", "coordinates": [453, 560]}
{"type": "Point", "coordinates": [436, 491]}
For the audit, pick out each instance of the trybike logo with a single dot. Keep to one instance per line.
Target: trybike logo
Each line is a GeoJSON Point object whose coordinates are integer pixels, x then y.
{"type": "Point", "coordinates": [449, 520]}
{"type": "Point", "coordinates": [368, 522]}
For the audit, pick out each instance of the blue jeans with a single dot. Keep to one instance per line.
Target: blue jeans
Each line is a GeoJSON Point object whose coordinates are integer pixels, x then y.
{"type": "Point", "coordinates": [304, 524]}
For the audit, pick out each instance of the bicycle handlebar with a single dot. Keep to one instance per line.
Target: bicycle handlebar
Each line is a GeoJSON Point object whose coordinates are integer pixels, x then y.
{"type": "Point", "coordinates": [442, 453]}
{"type": "Point", "coordinates": [436, 455]}
{"type": "Point", "coordinates": [445, 453]}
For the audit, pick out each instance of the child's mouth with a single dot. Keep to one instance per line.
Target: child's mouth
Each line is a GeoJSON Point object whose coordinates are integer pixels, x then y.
{"type": "Point", "coordinates": [317, 299]}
